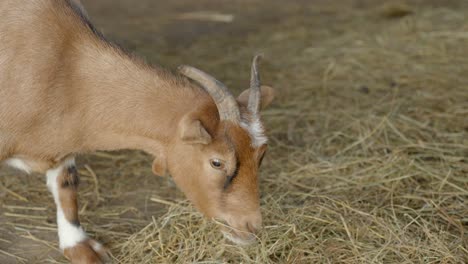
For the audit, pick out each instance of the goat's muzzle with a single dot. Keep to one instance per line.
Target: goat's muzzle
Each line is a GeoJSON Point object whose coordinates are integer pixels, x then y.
{"type": "Point", "coordinates": [242, 230]}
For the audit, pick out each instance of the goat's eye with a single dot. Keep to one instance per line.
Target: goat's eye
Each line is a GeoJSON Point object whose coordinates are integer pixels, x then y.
{"type": "Point", "coordinates": [217, 164]}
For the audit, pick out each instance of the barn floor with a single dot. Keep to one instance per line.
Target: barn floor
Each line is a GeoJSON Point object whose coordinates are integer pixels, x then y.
{"type": "Point", "coordinates": [368, 157]}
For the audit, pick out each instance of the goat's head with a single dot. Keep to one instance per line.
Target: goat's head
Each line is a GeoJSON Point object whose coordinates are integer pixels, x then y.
{"type": "Point", "coordinates": [218, 152]}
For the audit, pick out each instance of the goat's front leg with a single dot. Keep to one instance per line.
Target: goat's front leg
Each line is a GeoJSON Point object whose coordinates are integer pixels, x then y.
{"type": "Point", "coordinates": [62, 182]}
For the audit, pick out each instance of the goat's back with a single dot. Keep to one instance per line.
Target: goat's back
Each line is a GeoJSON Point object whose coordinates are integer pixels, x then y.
{"type": "Point", "coordinates": [38, 39]}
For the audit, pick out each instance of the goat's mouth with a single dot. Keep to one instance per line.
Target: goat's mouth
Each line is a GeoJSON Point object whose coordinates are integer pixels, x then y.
{"type": "Point", "coordinates": [241, 240]}
{"type": "Point", "coordinates": [241, 230]}
{"type": "Point", "coordinates": [239, 237]}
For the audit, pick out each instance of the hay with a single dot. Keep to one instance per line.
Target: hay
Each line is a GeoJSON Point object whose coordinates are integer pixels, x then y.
{"type": "Point", "coordinates": [367, 160]}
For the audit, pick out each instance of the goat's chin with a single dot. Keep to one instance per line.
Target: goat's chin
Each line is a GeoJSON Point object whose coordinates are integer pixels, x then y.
{"type": "Point", "coordinates": [239, 241]}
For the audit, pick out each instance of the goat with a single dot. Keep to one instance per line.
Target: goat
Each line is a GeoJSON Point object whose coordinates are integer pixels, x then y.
{"type": "Point", "coordinates": [66, 90]}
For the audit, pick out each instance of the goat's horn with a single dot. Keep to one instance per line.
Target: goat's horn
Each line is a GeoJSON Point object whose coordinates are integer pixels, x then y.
{"type": "Point", "coordinates": [225, 102]}
{"type": "Point", "coordinates": [254, 98]}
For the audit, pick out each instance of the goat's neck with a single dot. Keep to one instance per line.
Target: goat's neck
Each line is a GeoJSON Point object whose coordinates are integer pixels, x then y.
{"type": "Point", "coordinates": [130, 105]}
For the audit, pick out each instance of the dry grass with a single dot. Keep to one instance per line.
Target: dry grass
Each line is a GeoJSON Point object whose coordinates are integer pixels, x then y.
{"type": "Point", "coordinates": [368, 157]}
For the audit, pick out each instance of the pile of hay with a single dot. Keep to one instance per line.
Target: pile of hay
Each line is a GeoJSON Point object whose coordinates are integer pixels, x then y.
{"type": "Point", "coordinates": [368, 156]}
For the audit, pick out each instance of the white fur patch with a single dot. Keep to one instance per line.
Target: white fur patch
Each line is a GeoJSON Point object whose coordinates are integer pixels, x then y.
{"type": "Point", "coordinates": [18, 164]}
{"type": "Point", "coordinates": [69, 235]}
{"type": "Point", "coordinates": [256, 132]}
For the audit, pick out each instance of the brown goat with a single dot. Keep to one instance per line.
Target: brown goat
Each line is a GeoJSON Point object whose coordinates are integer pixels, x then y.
{"type": "Point", "coordinates": [65, 90]}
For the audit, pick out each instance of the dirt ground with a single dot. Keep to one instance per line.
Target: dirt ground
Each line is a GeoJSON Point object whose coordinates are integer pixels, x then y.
{"type": "Point", "coordinates": [368, 157]}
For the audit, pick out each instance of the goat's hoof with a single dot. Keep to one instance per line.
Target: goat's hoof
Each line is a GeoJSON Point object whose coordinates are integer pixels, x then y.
{"type": "Point", "coordinates": [87, 252]}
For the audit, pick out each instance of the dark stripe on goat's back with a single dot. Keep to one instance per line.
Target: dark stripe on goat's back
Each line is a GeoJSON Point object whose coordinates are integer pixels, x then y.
{"type": "Point", "coordinates": [78, 10]}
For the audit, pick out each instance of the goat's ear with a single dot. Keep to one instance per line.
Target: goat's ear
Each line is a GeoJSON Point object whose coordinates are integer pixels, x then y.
{"type": "Point", "coordinates": [193, 132]}
{"type": "Point", "coordinates": [267, 94]}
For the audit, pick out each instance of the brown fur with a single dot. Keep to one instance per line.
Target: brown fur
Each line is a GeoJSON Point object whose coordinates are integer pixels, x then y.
{"type": "Point", "coordinates": [85, 253]}
{"type": "Point", "coordinates": [68, 194]}
{"type": "Point", "coordinates": [70, 92]}
{"type": "Point", "coordinates": [65, 90]}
